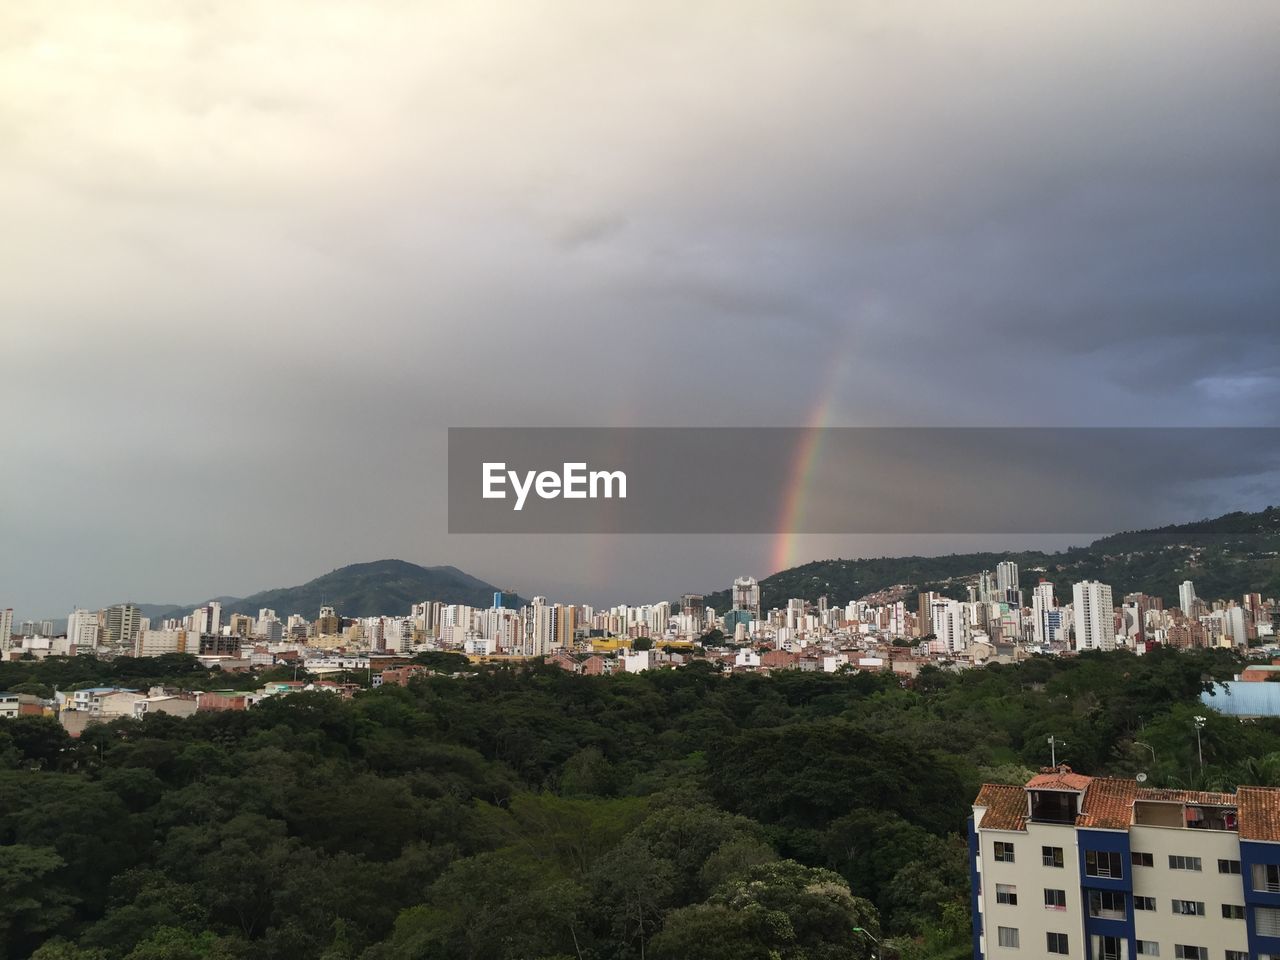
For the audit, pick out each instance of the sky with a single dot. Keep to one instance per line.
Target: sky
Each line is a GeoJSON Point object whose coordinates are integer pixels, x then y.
{"type": "Point", "coordinates": [259, 257]}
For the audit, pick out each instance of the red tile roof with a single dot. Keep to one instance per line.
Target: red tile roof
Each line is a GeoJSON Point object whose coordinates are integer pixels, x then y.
{"type": "Point", "coordinates": [1006, 806]}
{"type": "Point", "coordinates": [1055, 781]}
{"type": "Point", "coordinates": [1259, 813]}
{"type": "Point", "coordinates": [1108, 804]}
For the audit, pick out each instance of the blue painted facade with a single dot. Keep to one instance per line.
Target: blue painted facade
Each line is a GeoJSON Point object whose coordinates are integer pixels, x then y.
{"type": "Point", "coordinates": [1107, 841]}
{"type": "Point", "coordinates": [975, 890]}
{"type": "Point", "coordinates": [1254, 853]}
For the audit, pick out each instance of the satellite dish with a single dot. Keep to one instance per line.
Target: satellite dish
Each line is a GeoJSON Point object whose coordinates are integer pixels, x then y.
{"type": "Point", "coordinates": [1141, 778]}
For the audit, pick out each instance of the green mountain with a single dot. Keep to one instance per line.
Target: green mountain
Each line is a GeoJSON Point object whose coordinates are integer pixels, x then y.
{"type": "Point", "coordinates": [1225, 557]}
{"type": "Point", "coordinates": [358, 590]}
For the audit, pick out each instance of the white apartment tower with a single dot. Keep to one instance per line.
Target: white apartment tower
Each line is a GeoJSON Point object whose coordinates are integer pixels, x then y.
{"type": "Point", "coordinates": [6, 632]}
{"type": "Point", "coordinates": [1095, 616]}
{"type": "Point", "coordinates": [1186, 596]}
{"type": "Point", "coordinates": [949, 623]}
{"type": "Point", "coordinates": [1007, 582]}
{"type": "Point", "coordinates": [82, 630]}
{"type": "Point", "coordinates": [1042, 604]}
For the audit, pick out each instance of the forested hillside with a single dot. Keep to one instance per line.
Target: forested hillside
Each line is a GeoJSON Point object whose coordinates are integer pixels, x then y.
{"type": "Point", "coordinates": [537, 814]}
{"type": "Point", "coordinates": [1225, 557]}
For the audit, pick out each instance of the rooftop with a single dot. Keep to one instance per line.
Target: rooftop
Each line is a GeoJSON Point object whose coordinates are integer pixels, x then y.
{"type": "Point", "coordinates": [1111, 803]}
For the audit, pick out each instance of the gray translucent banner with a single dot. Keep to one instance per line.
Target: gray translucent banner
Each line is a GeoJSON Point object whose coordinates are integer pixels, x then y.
{"type": "Point", "coordinates": [854, 479]}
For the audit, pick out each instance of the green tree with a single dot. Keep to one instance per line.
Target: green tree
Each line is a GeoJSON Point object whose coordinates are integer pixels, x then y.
{"type": "Point", "coordinates": [780, 910]}
{"type": "Point", "coordinates": [31, 903]}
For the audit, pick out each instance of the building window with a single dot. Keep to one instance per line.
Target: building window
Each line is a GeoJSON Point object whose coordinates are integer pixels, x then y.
{"type": "Point", "coordinates": [1232, 911]}
{"type": "Point", "coordinates": [1147, 948]}
{"type": "Point", "coordinates": [1108, 904]}
{"type": "Point", "coordinates": [1237, 955]}
{"type": "Point", "coordinates": [1057, 943]}
{"type": "Point", "coordinates": [1007, 936]}
{"type": "Point", "coordinates": [1052, 856]}
{"type": "Point", "coordinates": [1007, 893]}
{"type": "Point", "coordinates": [1055, 899]}
{"type": "Point", "coordinates": [1144, 903]}
{"type": "Point", "coordinates": [1183, 863]}
{"type": "Point", "coordinates": [1266, 877]}
{"type": "Point", "coordinates": [1108, 948]}
{"type": "Point", "coordinates": [1102, 863]}
{"type": "Point", "coordinates": [1003, 852]}
{"type": "Point", "coordinates": [1141, 859]}
{"type": "Point", "coordinates": [1266, 921]}
{"type": "Point", "coordinates": [1189, 908]}
{"type": "Point", "coordinates": [1229, 866]}
{"type": "Point", "coordinates": [1184, 952]}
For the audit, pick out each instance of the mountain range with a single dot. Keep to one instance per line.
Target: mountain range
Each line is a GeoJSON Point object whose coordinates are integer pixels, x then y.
{"type": "Point", "coordinates": [358, 590]}
{"type": "Point", "coordinates": [1225, 557]}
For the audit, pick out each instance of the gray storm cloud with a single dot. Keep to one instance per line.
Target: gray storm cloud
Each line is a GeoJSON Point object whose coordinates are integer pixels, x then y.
{"type": "Point", "coordinates": [259, 256]}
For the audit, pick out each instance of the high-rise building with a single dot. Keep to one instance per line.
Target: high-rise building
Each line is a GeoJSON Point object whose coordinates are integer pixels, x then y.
{"type": "Point", "coordinates": [154, 643]}
{"type": "Point", "coordinates": [120, 627]}
{"type": "Point", "coordinates": [1187, 597]}
{"type": "Point", "coordinates": [693, 606]}
{"type": "Point", "coordinates": [924, 614]}
{"type": "Point", "coordinates": [207, 619]}
{"type": "Point", "coordinates": [949, 622]}
{"type": "Point", "coordinates": [6, 632]}
{"type": "Point", "coordinates": [1043, 606]}
{"type": "Point", "coordinates": [1095, 616]}
{"type": "Point", "coordinates": [1235, 626]}
{"type": "Point", "coordinates": [82, 630]}
{"type": "Point", "coordinates": [1007, 583]}
{"type": "Point", "coordinates": [328, 624]}
{"type": "Point", "coordinates": [746, 595]}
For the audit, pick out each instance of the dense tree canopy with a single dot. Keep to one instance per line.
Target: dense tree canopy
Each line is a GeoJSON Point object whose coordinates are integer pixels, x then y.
{"type": "Point", "coordinates": [532, 813]}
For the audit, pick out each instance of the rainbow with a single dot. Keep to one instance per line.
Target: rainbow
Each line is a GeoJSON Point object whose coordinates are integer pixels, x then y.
{"type": "Point", "coordinates": [807, 454]}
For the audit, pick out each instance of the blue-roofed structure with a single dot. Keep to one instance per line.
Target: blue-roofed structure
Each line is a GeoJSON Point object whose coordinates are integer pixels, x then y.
{"type": "Point", "coordinates": [1244, 699]}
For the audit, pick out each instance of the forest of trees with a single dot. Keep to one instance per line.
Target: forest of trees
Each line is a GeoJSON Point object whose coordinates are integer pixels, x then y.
{"type": "Point", "coordinates": [532, 813]}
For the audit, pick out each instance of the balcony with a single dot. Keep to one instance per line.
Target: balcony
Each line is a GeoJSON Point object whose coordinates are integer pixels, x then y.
{"type": "Point", "coordinates": [1186, 816]}
{"type": "Point", "coordinates": [1054, 806]}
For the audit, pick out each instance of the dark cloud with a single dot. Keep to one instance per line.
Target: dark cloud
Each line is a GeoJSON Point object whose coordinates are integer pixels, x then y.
{"type": "Point", "coordinates": [258, 259]}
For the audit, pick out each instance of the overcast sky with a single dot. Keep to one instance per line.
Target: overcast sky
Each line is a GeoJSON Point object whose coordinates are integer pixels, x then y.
{"type": "Point", "coordinates": [257, 257]}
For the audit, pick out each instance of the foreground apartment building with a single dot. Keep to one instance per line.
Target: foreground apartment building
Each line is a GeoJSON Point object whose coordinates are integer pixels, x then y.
{"type": "Point", "coordinates": [1097, 868]}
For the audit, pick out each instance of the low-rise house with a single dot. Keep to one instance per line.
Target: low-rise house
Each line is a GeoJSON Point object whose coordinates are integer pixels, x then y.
{"type": "Point", "coordinates": [19, 705]}
{"type": "Point", "coordinates": [222, 700]}
{"type": "Point", "coordinates": [93, 700]}
{"type": "Point", "coordinates": [399, 676]}
{"type": "Point", "coordinates": [180, 705]}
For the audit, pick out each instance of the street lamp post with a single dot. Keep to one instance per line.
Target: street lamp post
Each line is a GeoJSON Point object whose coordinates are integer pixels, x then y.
{"type": "Point", "coordinates": [872, 937]}
{"type": "Point", "coordinates": [1054, 742]}
{"type": "Point", "coordinates": [1199, 749]}
{"type": "Point", "coordinates": [1139, 743]}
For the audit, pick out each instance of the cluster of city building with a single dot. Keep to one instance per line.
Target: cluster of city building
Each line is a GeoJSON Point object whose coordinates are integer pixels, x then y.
{"type": "Point", "coordinates": [898, 628]}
